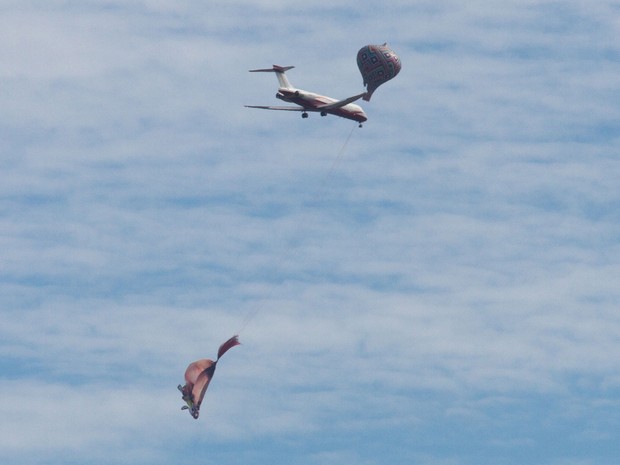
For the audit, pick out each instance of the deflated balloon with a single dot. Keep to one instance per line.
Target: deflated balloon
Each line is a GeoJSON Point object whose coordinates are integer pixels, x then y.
{"type": "Point", "coordinates": [198, 376]}
{"type": "Point", "coordinates": [378, 64]}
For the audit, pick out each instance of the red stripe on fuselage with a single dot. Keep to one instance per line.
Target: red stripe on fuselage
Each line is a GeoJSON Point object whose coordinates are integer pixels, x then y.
{"type": "Point", "coordinates": [313, 102]}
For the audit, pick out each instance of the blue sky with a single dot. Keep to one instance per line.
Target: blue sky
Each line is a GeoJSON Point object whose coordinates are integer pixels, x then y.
{"type": "Point", "coordinates": [442, 289]}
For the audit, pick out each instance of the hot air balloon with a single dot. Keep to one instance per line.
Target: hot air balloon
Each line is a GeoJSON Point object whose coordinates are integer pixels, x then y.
{"type": "Point", "coordinates": [198, 376]}
{"type": "Point", "coordinates": [378, 64]}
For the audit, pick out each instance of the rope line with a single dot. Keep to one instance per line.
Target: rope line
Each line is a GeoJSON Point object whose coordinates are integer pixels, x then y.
{"type": "Point", "coordinates": [291, 252]}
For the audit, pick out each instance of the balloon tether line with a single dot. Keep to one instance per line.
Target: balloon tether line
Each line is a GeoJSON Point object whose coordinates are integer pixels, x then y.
{"type": "Point", "coordinates": [289, 253]}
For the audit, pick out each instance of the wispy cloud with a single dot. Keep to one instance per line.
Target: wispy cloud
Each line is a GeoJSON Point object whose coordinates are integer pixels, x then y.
{"type": "Point", "coordinates": [442, 289]}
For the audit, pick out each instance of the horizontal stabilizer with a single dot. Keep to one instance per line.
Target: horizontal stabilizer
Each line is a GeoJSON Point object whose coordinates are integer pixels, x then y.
{"type": "Point", "coordinates": [341, 103]}
{"type": "Point", "coordinates": [275, 69]}
{"type": "Point", "coordinates": [280, 74]}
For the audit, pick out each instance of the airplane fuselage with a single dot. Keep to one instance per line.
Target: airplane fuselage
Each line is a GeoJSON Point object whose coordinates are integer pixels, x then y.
{"type": "Point", "coordinates": [312, 102]}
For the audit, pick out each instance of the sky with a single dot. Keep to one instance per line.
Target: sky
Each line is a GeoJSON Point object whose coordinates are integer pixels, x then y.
{"type": "Point", "coordinates": [439, 287]}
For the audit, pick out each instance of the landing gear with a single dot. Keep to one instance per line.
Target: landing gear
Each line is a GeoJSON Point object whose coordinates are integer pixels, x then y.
{"type": "Point", "coordinates": [304, 115]}
{"type": "Point", "coordinates": [323, 113]}
{"type": "Point", "coordinates": [360, 125]}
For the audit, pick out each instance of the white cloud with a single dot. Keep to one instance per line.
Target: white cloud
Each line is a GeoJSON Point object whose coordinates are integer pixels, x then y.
{"type": "Point", "coordinates": [447, 278]}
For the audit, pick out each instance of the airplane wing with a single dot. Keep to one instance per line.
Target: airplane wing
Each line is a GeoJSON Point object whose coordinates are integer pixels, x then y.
{"type": "Point", "coordinates": [264, 107]}
{"type": "Point", "coordinates": [340, 103]}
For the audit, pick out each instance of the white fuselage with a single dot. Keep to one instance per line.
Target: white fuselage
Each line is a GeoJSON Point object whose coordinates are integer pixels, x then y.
{"type": "Point", "coordinates": [313, 102]}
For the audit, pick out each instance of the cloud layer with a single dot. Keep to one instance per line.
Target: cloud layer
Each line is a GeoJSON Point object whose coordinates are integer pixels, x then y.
{"type": "Point", "coordinates": [441, 288]}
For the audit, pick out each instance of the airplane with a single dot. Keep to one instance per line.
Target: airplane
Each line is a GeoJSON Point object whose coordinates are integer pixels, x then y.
{"type": "Point", "coordinates": [309, 101]}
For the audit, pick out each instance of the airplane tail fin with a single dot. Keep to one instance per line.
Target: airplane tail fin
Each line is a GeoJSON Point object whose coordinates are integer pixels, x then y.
{"type": "Point", "coordinates": [280, 74]}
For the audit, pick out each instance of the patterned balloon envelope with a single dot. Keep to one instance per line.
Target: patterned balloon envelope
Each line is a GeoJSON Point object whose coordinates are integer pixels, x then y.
{"type": "Point", "coordinates": [378, 64]}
